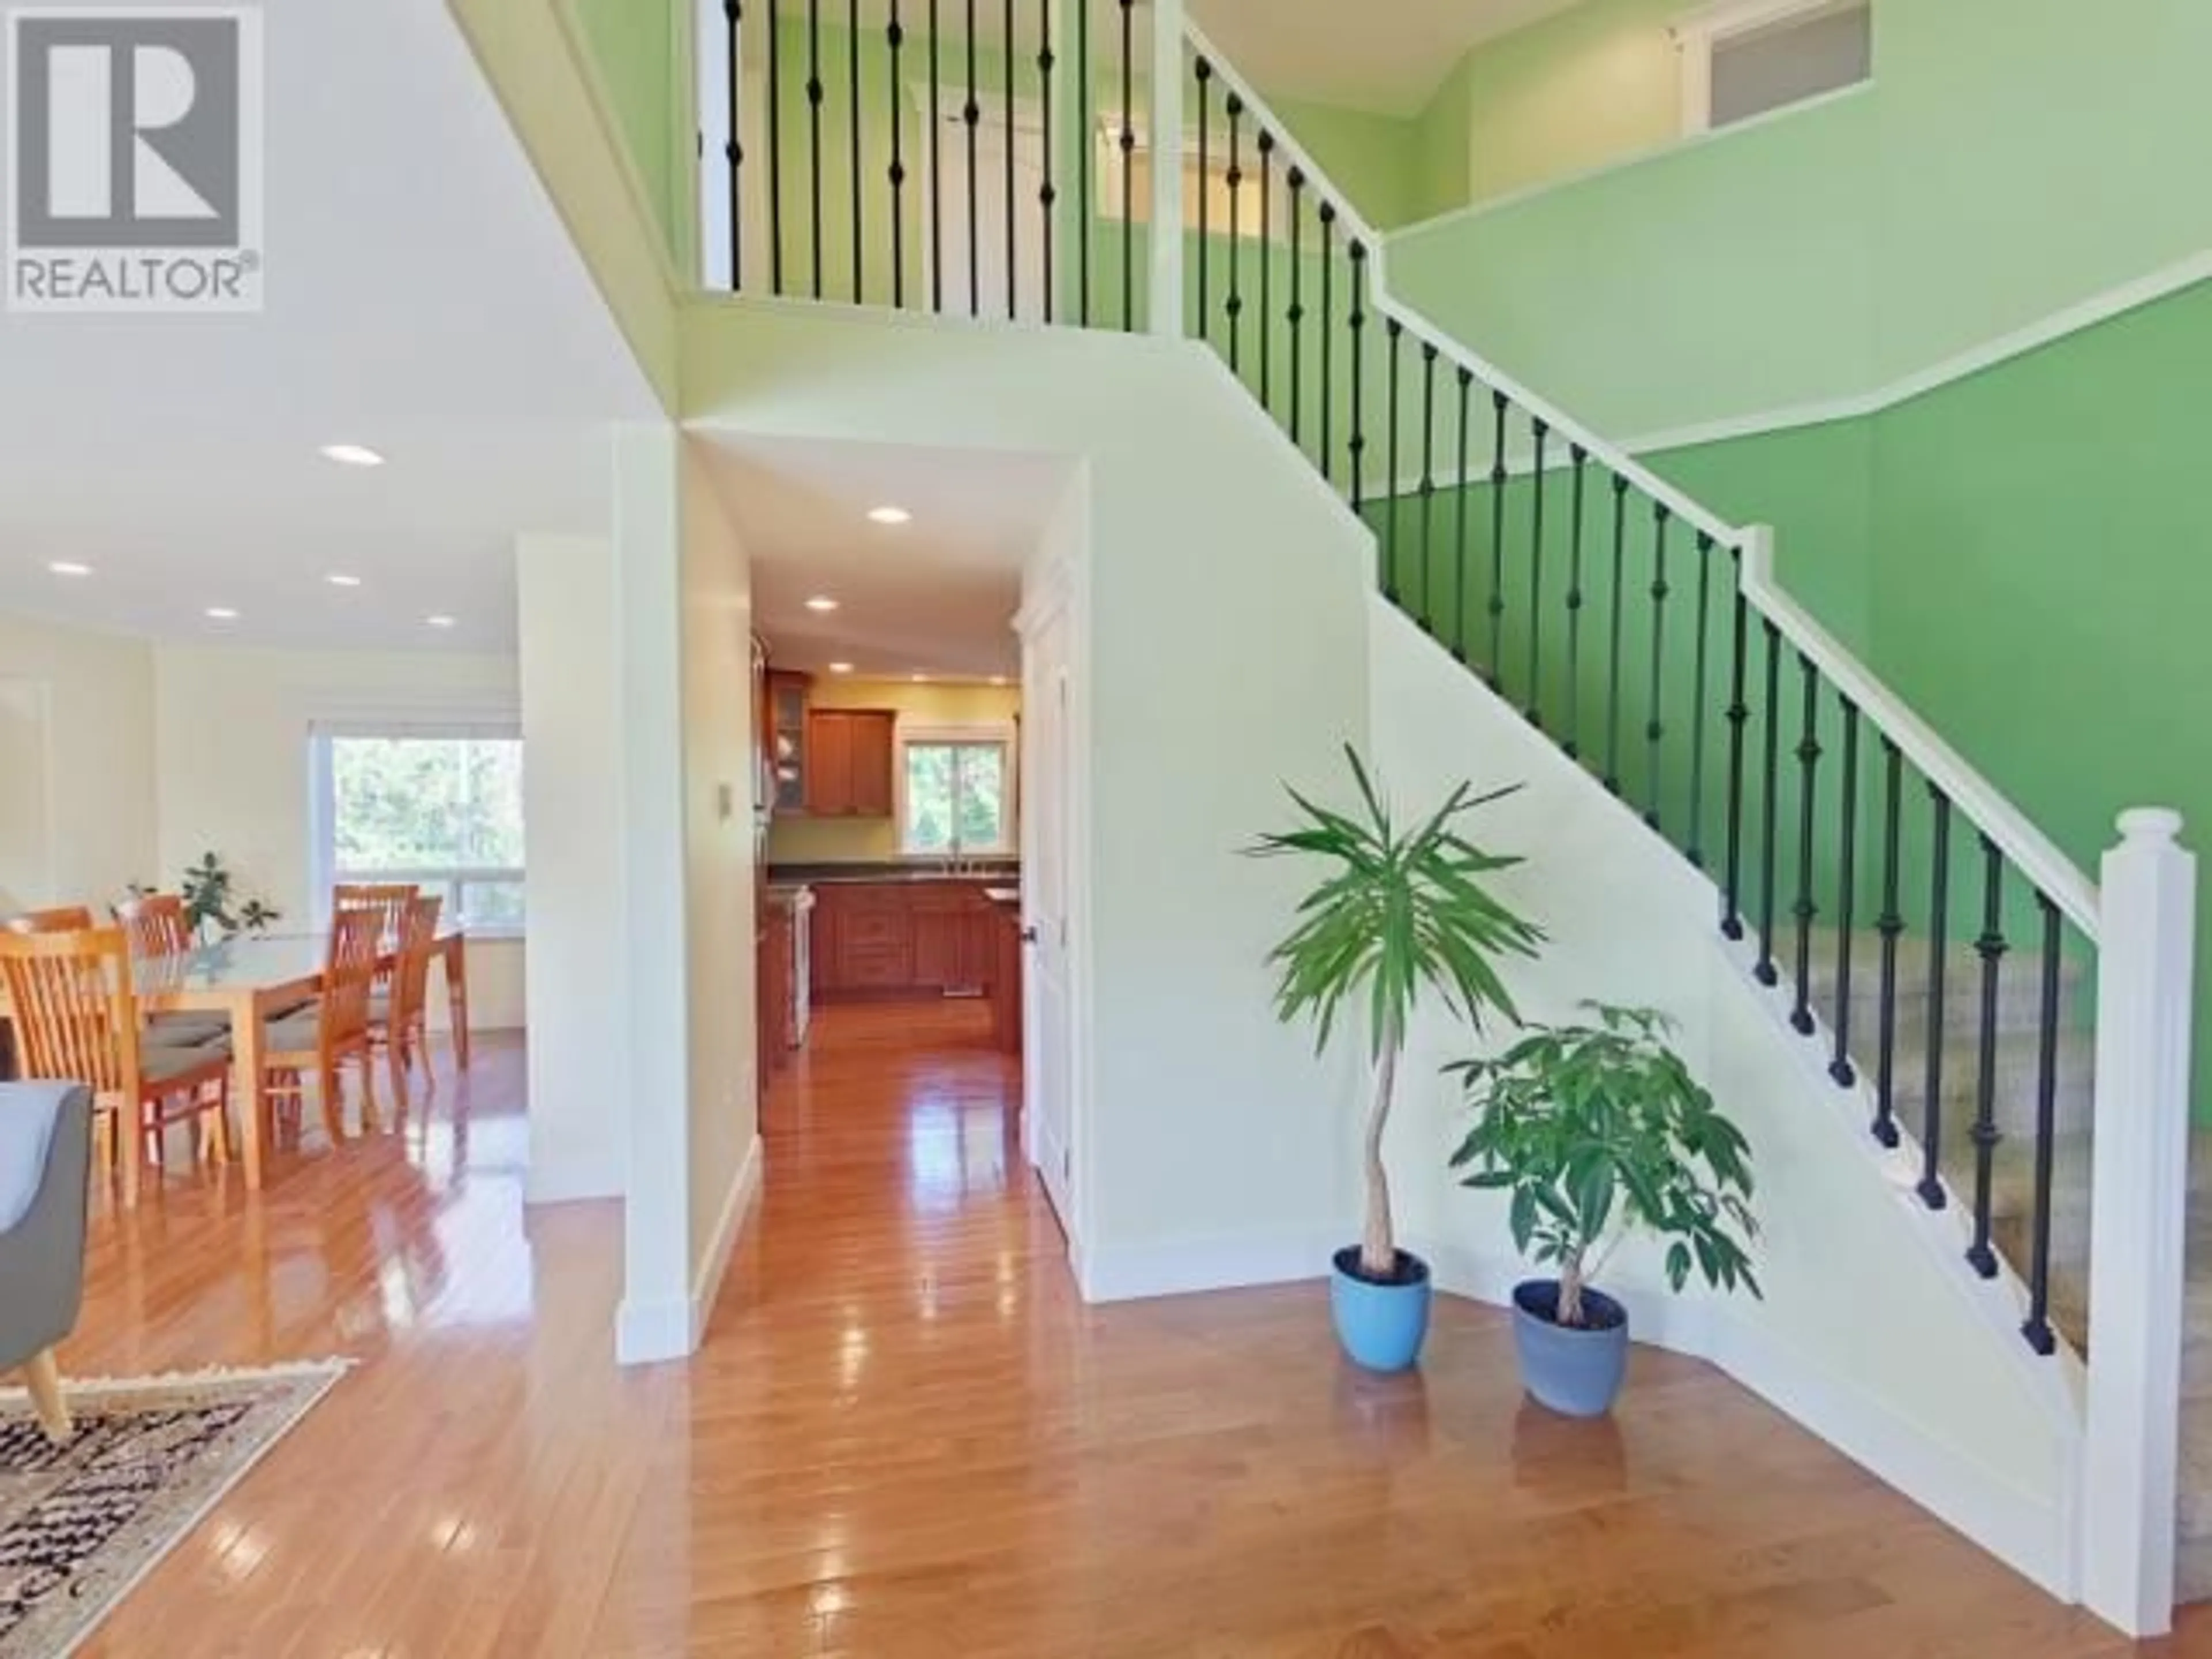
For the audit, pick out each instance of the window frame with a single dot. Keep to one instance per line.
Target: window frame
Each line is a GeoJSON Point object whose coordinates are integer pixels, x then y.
{"type": "Point", "coordinates": [324, 873]}
{"type": "Point", "coordinates": [1696, 33]}
{"type": "Point", "coordinates": [1000, 734]}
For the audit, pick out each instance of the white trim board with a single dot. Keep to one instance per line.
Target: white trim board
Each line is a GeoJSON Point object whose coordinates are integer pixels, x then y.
{"type": "Point", "coordinates": [646, 1334]}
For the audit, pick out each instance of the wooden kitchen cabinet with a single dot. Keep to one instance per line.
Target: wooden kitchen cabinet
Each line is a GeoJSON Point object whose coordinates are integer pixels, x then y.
{"type": "Point", "coordinates": [848, 762]}
{"type": "Point", "coordinates": [903, 939]}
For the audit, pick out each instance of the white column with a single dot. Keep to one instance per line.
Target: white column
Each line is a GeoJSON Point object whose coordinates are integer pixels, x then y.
{"type": "Point", "coordinates": [2145, 1007]}
{"type": "Point", "coordinates": [1167, 150]}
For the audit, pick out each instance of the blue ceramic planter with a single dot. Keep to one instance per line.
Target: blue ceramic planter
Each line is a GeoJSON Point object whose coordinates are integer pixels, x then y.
{"type": "Point", "coordinates": [1576, 1373]}
{"type": "Point", "coordinates": [1381, 1327]}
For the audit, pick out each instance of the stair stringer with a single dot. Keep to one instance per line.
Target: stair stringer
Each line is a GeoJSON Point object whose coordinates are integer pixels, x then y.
{"type": "Point", "coordinates": [1874, 1333]}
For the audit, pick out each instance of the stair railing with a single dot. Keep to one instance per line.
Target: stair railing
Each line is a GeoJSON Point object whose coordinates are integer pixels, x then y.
{"type": "Point", "coordinates": [1649, 638]}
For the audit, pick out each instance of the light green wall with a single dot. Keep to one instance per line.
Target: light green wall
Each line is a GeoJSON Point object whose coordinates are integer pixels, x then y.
{"type": "Point", "coordinates": [1828, 251]}
{"type": "Point", "coordinates": [1597, 82]}
{"type": "Point", "coordinates": [1372, 159]}
{"type": "Point", "coordinates": [633, 45]}
{"type": "Point", "coordinates": [1442, 181]}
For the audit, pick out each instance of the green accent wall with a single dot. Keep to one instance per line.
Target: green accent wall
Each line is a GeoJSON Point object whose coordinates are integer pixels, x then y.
{"type": "Point", "coordinates": [1830, 250]}
{"type": "Point", "coordinates": [637, 50]}
{"type": "Point", "coordinates": [1372, 159]}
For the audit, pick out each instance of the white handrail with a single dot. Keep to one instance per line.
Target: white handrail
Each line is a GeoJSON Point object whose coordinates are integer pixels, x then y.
{"type": "Point", "coordinates": [2057, 877]}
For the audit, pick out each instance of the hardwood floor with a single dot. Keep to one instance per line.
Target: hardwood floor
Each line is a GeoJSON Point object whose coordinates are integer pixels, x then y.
{"type": "Point", "coordinates": [907, 1438]}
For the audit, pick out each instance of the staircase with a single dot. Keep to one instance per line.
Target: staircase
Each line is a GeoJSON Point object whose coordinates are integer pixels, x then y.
{"type": "Point", "coordinates": [1962, 980]}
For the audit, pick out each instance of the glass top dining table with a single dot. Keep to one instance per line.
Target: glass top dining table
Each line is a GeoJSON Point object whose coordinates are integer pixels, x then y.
{"type": "Point", "coordinates": [252, 977]}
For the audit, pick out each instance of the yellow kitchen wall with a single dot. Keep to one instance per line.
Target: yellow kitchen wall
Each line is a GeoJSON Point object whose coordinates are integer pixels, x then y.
{"type": "Point", "coordinates": [867, 840]}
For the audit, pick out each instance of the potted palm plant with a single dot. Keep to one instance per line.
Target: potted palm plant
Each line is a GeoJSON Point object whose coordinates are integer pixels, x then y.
{"type": "Point", "coordinates": [1598, 1131]}
{"type": "Point", "coordinates": [1398, 911]}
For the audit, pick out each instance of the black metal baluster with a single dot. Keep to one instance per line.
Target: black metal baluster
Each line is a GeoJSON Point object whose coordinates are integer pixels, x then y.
{"type": "Point", "coordinates": [1267, 268]}
{"type": "Point", "coordinates": [1463, 623]}
{"type": "Point", "coordinates": [971, 113]}
{"type": "Point", "coordinates": [854, 163]}
{"type": "Point", "coordinates": [1619, 615]}
{"type": "Point", "coordinates": [1048, 192]}
{"type": "Point", "coordinates": [814, 95]}
{"type": "Point", "coordinates": [1739, 714]}
{"type": "Point", "coordinates": [1533, 709]}
{"type": "Point", "coordinates": [1494, 669]}
{"type": "Point", "coordinates": [1359, 323]}
{"type": "Point", "coordinates": [1840, 1067]}
{"type": "Point", "coordinates": [1085, 107]}
{"type": "Point", "coordinates": [1013, 216]}
{"type": "Point", "coordinates": [1428, 483]}
{"type": "Point", "coordinates": [1890, 925]}
{"type": "Point", "coordinates": [1393, 330]}
{"type": "Point", "coordinates": [733, 149]}
{"type": "Point", "coordinates": [1990, 948]}
{"type": "Point", "coordinates": [1203, 70]}
{"type": "Point", "coordinates": [1129, 170]}
{"type": "Point", "coordinates": [1236, 180]}
{"type": "Point", "coordinates": [1655, 728]}
{"type": "Point", "coordinates": [1696, 848]}
{"type": "Point", "coordinates": [1297, 313]}
{"type": "Point", "coordinates": [1809, 760]}
{"type": "Point", "coordinates": [896, 36]}
{"type": "Point", "coordinates": [1931, 1132]}
{"type": "Point", "coordinates": [2037, 1329]}
{"type": "Point", "coordinates": [1572, 742]}
{"type": "Point", "coordinates": [1770, 731]}
{"type": "Point", "coordinates": [775, 156]}
{"type": "Point", "coordinates": [1328, 341]}
{"type": "Point", "coordinates": [936, 170]}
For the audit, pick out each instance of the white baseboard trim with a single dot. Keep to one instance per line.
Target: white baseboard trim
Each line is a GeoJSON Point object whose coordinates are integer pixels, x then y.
{"type": "Point", "coordinates": [650, 1333]}
{"type": "Point", "coordinates": [1131, 1272]}
{"type": "Point", "coordinates": [2029, 1535]}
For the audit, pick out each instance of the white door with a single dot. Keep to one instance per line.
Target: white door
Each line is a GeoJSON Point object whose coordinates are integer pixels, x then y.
{"type": "Point", "coordinates": [1048, 1056]}
{"type": "Point", "coordinates": [986, 293]}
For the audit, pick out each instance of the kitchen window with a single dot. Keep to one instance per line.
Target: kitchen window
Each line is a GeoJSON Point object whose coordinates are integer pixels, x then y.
{"type": "Point", "coordinates": [440, 807]}
{"type": "Point", "coordinates": [956, 794]}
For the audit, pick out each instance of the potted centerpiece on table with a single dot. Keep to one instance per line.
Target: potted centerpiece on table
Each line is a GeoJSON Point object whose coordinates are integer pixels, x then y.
{"type": "Point", "coordinates": [1597, 1132]}
{"type": "Point", "coordinates": [1401, 911]}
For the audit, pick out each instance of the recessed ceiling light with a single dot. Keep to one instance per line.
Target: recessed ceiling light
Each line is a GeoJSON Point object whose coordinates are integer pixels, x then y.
{"type": "Point", "coordinates": [922, 679]}
{"type": "Point", "coordinates": [69, 567]}
{"type": "Point", "coordinates": [221, 613]}
{"type": "Point", "coordinates": [352, 455]}
{"type": "Point", "coordinates": [998, 679]}
{"type": "Point", "coordinates": [440, 621]}
{"type": "Point", "coordinates": [338, 580]}
{"type": "Point", "coordinates": [890, 515]}
{"type": "Point", "coordinates": [822, 602]}
{"type": "Point", "coordinates": [841, 668]}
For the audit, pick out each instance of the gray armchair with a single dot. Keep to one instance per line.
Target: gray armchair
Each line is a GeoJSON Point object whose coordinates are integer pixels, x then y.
{"type": "Point", "coordinates": [46, 1160]}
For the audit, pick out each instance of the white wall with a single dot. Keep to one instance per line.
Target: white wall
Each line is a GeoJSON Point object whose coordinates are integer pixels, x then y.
{"type": "Point", "coordinates": [98, 691]}
{"type": "Point", "coordinates": [1228, 652]}
{"type": "Point", "coordinates": [1874, 1333]}
{"type": "Point", "coordinates": [231, 766]}
{"type": "Point", "coordinates": [571, 735]}
{"type": "Point", "coordinates": [685, 980]}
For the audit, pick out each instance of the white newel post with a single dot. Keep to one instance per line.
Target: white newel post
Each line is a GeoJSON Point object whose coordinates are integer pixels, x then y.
{"type": "Point", "coordinates": [1167, 151]}
{"type": "Point", "coordinates": [2139, 1200]}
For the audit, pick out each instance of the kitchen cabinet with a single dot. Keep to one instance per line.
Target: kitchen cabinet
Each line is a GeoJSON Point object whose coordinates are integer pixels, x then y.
{"type": "Point", "coordinates": [786, 725]}
{"type": "Point", "coordinates": [916, 938]}
{"type": "Point", "coordinates": [848, 762]}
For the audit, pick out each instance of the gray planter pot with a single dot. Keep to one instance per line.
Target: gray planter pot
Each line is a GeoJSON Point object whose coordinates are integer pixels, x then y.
{"type": "Point", "coordinates": [1576, 1373]}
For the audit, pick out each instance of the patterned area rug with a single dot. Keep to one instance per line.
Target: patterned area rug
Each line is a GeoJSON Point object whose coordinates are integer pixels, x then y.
{"type": "Point", "coordinates": [80, 1524]}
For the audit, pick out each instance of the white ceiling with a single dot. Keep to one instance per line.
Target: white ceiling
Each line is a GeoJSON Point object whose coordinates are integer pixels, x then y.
{"type": "Point", "coordinates": [422, 299]}
{"type": "Point", "coordinates": [936, 596]}
{"type": "Point", "coordinates": [1386, 56]}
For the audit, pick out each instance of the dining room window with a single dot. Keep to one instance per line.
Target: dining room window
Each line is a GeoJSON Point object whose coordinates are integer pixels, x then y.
{"type": "Point", "coordinates": [955, 795]}
{"type": "Point", "coordinates": [442, 808]}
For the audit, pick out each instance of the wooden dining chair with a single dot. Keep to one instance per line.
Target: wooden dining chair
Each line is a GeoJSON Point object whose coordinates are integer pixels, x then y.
{"type": "Point", "coordinates": [321, 1038]}
{"type": "Point", "coordinates": [397, 1022]}
{"type": "Point", "coordinates": [160, 933]}
{"type": "Point", "coordinates": [63, 918]}
{"type": "Point", "coordinates": [389, 899]}
{"type": "Point", "coordinates": [76, 1021]}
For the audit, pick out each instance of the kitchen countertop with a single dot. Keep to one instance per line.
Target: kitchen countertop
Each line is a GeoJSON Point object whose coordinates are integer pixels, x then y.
{"type": "Point", "coordinates": [833, 875]}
